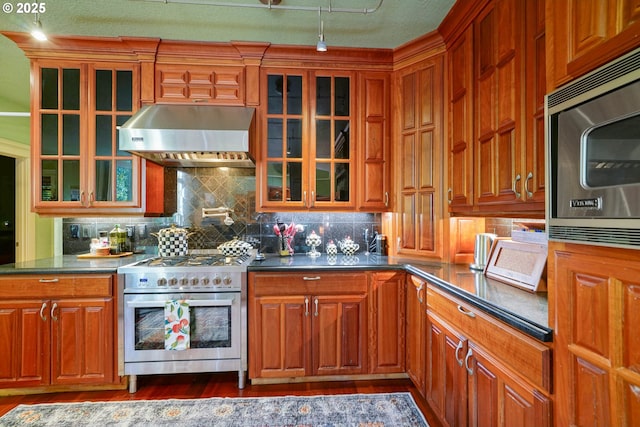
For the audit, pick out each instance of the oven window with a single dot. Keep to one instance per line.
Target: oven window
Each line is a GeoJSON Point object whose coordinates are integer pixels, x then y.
{"type": "Point", "coordinates": [210, 327]}
{"type": "Point", "coordinates": [611, 153]}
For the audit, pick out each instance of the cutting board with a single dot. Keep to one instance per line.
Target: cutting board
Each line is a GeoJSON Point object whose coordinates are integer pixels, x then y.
{"type": "Point", "coordinates": [94, 256]}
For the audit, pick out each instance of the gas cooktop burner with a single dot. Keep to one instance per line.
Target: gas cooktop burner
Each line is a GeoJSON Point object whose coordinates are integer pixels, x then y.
{"type": "Point", "coordinates": [194, 260]}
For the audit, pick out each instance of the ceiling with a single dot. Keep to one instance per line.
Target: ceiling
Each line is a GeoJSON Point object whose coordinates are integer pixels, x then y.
{"type": "Point", "coordinates": [394, 23]}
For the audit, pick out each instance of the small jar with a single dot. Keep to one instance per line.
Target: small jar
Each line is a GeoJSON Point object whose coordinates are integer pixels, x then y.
{"type": "Point", "coordinates": [93, 247]}
{"type": "Point", "coordinates": [332, 249]}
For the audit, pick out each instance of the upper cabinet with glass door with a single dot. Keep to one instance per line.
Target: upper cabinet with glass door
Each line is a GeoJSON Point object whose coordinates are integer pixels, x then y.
{"type": "Point", "coordinates": [78, 167]}
{"type": "Point", "coordinates": [308, 156]}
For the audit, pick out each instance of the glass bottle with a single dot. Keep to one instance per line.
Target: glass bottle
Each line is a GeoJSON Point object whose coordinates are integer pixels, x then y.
{"type": "Point", "coordinates": [117, 240]}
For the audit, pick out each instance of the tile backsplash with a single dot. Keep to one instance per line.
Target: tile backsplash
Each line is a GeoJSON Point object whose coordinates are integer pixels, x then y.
{"type": "Point", "coordinates": [233, 188]}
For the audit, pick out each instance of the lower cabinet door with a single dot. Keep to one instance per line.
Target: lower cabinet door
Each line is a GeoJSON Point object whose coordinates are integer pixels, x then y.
{"type": "Point", "coordinates": [339, 332]}
{"type": "Point", "coordinates": [280, 333]}
{"type": "Point", "coordinates": [24, 333]}
{"type": "Point", "coordinates": [497, 398]}
{"type": "Point", "coordinates": [415, 332]}
{"type": "Point", "coordinates": [446, 376]}
{"type": "Point", "coordinates": [82, 341]}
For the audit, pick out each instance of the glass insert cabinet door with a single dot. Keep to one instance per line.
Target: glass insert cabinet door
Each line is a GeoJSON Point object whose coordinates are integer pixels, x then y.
{"type": "Point", "coordinates": [308, 151]}
{"type": "Point", "coordinates": [80, 107]}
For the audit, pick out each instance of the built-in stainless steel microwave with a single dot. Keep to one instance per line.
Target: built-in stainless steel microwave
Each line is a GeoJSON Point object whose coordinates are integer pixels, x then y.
{"type": "Point", "coordinates": [593, 157]}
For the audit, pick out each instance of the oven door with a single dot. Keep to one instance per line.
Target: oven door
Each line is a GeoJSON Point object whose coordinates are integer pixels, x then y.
{"type": "Point", "coordinates": [214, 332]}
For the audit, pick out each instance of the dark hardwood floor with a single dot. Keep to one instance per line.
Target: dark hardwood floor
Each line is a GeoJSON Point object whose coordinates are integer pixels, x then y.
{"type": "Point", "coordinates": [193, 386]}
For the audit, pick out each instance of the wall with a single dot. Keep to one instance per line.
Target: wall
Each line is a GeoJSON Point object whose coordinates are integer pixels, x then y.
{"type": "Point", "coordinates": [233, 188]}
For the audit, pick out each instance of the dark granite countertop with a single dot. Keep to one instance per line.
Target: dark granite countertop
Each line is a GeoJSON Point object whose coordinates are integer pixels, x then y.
{"type": "Point", "coordinates": [525, 311]}
{"type": "Point", "coordinates": [70, 264]}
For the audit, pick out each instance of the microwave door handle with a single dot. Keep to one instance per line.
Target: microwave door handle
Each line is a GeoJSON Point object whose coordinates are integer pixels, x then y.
{"type": "Point", "coordinates": [225, 302]}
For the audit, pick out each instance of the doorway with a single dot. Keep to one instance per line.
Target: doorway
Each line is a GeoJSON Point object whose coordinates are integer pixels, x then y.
{"type": "Point", "coordinates": [7, 210]}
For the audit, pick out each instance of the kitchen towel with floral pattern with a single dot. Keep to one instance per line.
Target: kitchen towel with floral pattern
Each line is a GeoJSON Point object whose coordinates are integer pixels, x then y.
{"type": "Point", "coordinates": [176, 325]}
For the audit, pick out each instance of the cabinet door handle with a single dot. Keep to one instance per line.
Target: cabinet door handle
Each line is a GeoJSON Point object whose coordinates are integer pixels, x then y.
{"type": "Point", "coordinates": [306, 307]}
{"type": "Point", "coordinates": [54, 280]}
{"type": "Point", "coordinates": [316, 303]}
{"type": "Point", "coordinates": [466, 362]}
{"type": "Point", "coordinates": [526, 185]}
{"type": "Point", "coordinates": [304, 198]}
{"type": "Point", "coordinates": [82, 198]}
{"type": "Point", "coordinates": [53, 309]}
{"type": "Point", "coordinates": [311, 278]}
{"type": "Point", "coordinates": [466, 312]}
{"type": "Point", "coordinates": [42, 315]}
{"type": "Point", "coordinates": [419, 292]}
{"type": "Point", "coordinates": [313, 198]}
{"type": "Point", "coordinates": [449, 195]}
{"type": "Point", "coordinates": [386, 199]}
{"type": "Point", "coordinates": [515, 183]}
{"type": "Point", "coordinates": [458, 348]}
{"type": "Point", "coordinates": [91, 199]}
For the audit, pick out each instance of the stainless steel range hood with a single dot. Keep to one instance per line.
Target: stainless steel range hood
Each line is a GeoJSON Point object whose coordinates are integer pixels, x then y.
{"type": "Point", "coordinates": [191, 135]}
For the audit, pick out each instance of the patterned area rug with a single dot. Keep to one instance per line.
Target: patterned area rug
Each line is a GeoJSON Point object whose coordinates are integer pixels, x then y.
{"type": "Point", "coordinates": [362, 410]}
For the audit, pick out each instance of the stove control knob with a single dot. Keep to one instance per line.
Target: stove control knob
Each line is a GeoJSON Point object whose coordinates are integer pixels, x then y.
{"type": "Point", "coordinates": [195, 282]}
{"type": "Point", "coordinates": [173, 281]}
{"type": "Point", "coordinates": [162, 281]}
{"type": "Point", "coordinates": [227, 280]}
{"type": "Point", "coordinates": [204, 281]}
{"type": "Point", "coordinates": [184, 281]}
{"type": "Point", "coordinates": [216, 280]}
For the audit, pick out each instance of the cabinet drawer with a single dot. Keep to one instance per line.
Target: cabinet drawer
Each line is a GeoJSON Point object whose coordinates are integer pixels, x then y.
{"type": "Point", "coordinates": [524, 355]}
{"type": "Point", "coordinates": [56, 286]}
{"type": "Point", "coordinates": [312, 282]}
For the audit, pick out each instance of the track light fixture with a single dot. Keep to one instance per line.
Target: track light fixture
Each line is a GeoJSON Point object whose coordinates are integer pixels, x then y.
{"type": "Point", "coordinates": [36, 31]}
{"type": "Point", "coordinates": [322, 45]}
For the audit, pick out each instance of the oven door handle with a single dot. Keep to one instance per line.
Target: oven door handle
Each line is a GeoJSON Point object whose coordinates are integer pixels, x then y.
{"type": "Point", "coordinates": [196, 303]}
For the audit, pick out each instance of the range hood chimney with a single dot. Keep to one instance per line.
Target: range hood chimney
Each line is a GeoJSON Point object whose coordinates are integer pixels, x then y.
{"type": "Point", "coordinates": [191, 135]}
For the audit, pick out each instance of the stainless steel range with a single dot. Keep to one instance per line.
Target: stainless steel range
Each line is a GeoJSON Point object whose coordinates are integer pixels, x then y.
{"type": "Point", "coordinates": [212, 288]}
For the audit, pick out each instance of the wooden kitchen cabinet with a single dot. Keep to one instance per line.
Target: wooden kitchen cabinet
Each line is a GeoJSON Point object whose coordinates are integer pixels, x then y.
{"type": "Point", "coordinates": [387, 322]}
{"type": "Point", "coordinates": [588, 34]}
{"type": "Point", "coordinates": [446, 388]}
{"type": "Point", "coordinates": [496, 89]}
{"type": "Point", "coordinates": [77, 166]}
{"type": "Point", "coordinates": [308, 159]}
{"type": "Point", "coordinates": [460, 78]}
{"type": "Point", "coordinates": [419, 157]}
{"type": "Point", "coordinates": [307, 324]}
{"type": "Point", "coordinates": [82, 89]}
{"type": "Point", "coordinates": [597, 347]}
{"type": "Point", "coordinates": [416, 331]}
{"type": "Point", "coordinates": [216, 85]}
{"type": "Point", "coordinates": [374, 180]}
{"type": "Point", "coordinates": [498, 81]}
{"type": "Point", "coordinates": [480, 371]}
{"type": "Point", "coordinates": [58, 330]}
